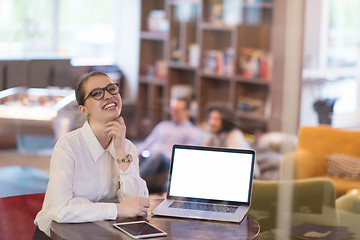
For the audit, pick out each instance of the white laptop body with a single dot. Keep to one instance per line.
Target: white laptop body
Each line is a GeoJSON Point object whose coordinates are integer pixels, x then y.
{"type": "Point", "coordinates": [200, 175]}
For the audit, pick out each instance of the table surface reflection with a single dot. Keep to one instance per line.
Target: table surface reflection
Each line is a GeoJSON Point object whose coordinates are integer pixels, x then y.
{"type": "Point", "coordinates": [176, 228]}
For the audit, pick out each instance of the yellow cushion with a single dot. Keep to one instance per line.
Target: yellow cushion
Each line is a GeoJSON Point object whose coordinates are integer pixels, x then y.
{"type": "Point", "coordinates": [343, 166]}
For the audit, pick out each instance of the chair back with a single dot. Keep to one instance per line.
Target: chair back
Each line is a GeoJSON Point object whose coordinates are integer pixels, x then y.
{"type": "Point", "coordinates": [18, 215]}
{"type": "Point", "coordinates": [309, 198]}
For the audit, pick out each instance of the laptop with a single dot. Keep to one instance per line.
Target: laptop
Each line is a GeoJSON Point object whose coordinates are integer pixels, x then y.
{"type": "Point", "coordinates": [208, 183]}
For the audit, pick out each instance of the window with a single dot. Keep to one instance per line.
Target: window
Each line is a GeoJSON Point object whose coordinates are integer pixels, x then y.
{"type": "Point", "coordinates": [58, 28]}
{"type": "Point", "coordinates": [26, 28]}
{"type": "Point", "coordinates": [343, 42]}
{"type": "Point", "coordinates": [343, 33]}
{"type": "Point", "coordinates": [332, 60]}
{"type": "Point", "coordinates": [87, 30]}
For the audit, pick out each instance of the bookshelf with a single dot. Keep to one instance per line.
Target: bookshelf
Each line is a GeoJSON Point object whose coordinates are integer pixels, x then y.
{"type": "Point", "coordinates": [214, 51]}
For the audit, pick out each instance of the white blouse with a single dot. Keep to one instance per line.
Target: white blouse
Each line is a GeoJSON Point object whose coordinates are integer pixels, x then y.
{"type": "Point", "coordinates": [85, 180]}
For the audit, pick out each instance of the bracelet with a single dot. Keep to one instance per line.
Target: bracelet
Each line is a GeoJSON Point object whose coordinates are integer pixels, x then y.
{"type": "Point", "coordinates": [127, 158]}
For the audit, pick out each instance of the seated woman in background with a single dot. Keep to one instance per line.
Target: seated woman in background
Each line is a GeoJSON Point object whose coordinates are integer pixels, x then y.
{"type": "Point", "coordinates": [94, 170]}
{"type": "Point", "coordinates": [224, 131]}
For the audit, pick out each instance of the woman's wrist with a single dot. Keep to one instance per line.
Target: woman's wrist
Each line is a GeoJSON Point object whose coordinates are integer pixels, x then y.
{"type": "Point", "coordinates": [127, 159]}
{"type": "Point", "coordinates": [124, 162]}
{"type": "Point", "coordinates": [124, 166]}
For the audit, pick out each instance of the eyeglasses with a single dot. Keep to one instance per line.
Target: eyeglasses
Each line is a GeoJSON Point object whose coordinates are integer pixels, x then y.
{"type": "Point", "coordinates": [99, 93]}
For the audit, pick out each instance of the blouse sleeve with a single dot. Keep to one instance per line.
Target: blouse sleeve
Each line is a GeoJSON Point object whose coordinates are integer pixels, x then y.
{"type": "Point", "coordinates": [131, 184]}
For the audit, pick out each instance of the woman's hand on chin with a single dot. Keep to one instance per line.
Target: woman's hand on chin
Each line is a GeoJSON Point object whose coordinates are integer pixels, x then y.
{"type": "Point", "coordinates": [116, 129]}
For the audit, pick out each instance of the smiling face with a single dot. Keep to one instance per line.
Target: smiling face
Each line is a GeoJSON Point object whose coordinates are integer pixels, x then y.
{"type": "Point", "coordinates": [104, 110]}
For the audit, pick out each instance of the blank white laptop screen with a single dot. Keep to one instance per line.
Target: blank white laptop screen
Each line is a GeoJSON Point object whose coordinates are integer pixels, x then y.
{"type": "Point", "coordinates": [211, 175]}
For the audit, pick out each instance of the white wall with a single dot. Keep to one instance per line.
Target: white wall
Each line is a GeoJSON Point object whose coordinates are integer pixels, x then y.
{"type": "Point", "coordinates": [313, 33]}
{"type": "Point", "coordinates": [127, 43]}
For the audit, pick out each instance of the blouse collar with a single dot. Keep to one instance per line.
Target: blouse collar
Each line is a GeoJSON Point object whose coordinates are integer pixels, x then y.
{"type": "Point", "coordinates": [93, 144]}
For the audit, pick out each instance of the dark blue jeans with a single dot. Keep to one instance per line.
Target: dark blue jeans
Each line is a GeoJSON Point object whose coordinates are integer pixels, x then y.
{"type": "Point", "coordinates": [156, 163]}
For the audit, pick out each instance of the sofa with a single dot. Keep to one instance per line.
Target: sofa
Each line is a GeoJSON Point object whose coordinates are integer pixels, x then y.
{"type": "Point", "coordinates": [323, 151]}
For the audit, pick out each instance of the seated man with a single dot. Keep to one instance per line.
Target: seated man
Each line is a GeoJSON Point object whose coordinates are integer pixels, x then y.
{"type": "Point", "coordinates": [178, 130]}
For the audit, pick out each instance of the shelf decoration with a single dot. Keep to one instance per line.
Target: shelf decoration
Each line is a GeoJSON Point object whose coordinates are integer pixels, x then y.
{"type": "Point", "coordinates": [248, 104]}
{"type": "Point", "coordinates": [194, 55]}
{"type": "Point", "coordinates": [255, 63]}
{"type": "Point", "coordinates": [185, 11]}
{"type": "Point", "coordinates": [218, 62]}
{"type": "Point", "coordinates": [226, 12]}
{"type": "Point", "coordinates": [157, 22]}
{"type": "Point", "coordinates": [157, 71]}
{"type": "Point", "coordinates": [215, 15]}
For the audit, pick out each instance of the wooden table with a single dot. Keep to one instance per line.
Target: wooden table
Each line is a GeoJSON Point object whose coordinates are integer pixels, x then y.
{"type": "Point", "coordinates": [176, 228]}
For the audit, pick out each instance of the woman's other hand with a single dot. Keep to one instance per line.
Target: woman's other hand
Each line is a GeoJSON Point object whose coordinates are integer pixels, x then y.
{"type": "Point", "coordinates": [133, 207]}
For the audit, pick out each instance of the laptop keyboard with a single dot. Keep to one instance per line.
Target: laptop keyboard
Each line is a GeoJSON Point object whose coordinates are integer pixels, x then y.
{"type": "Point", "coordinates": [204, 207]}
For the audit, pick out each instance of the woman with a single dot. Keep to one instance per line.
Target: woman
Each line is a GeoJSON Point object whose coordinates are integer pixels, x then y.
{"type": "Point", "coordinates": [94, 170]}
{"type": "Point", "coordinates": [223, 131]}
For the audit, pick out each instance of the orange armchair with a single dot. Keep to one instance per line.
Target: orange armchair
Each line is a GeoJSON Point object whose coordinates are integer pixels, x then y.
{"type": "Point", "coordinates": [315, 144]}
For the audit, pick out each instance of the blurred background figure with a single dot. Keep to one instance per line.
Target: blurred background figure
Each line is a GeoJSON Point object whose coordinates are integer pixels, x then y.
{"type": "Point", "coordinates": [223, 130]}
{"type": "Point", "coordinates": [157, 147]}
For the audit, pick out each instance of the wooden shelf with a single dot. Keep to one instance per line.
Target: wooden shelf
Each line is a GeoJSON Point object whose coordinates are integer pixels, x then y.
{"type": "Point", "coordinates": [217, 27]}
{"type": "Point", "coordinates": [259, 81]}
{"type": "Point", "coordinates": [216, 75]}
{"type": "Point", "coordinates": [153, 36]}
{"type": "Point", "coordinates": [179, 65]}
{"type": "Point", "coordinates": [213, 38]}
{"type": "Point", "coordinates": [152, 80]}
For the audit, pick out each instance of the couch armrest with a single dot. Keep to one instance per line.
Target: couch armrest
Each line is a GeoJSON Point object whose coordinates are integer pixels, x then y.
{"type": "Point", "coordinates": [349, 203]}
{"type": "Point", "coordinates": [298, 164]}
